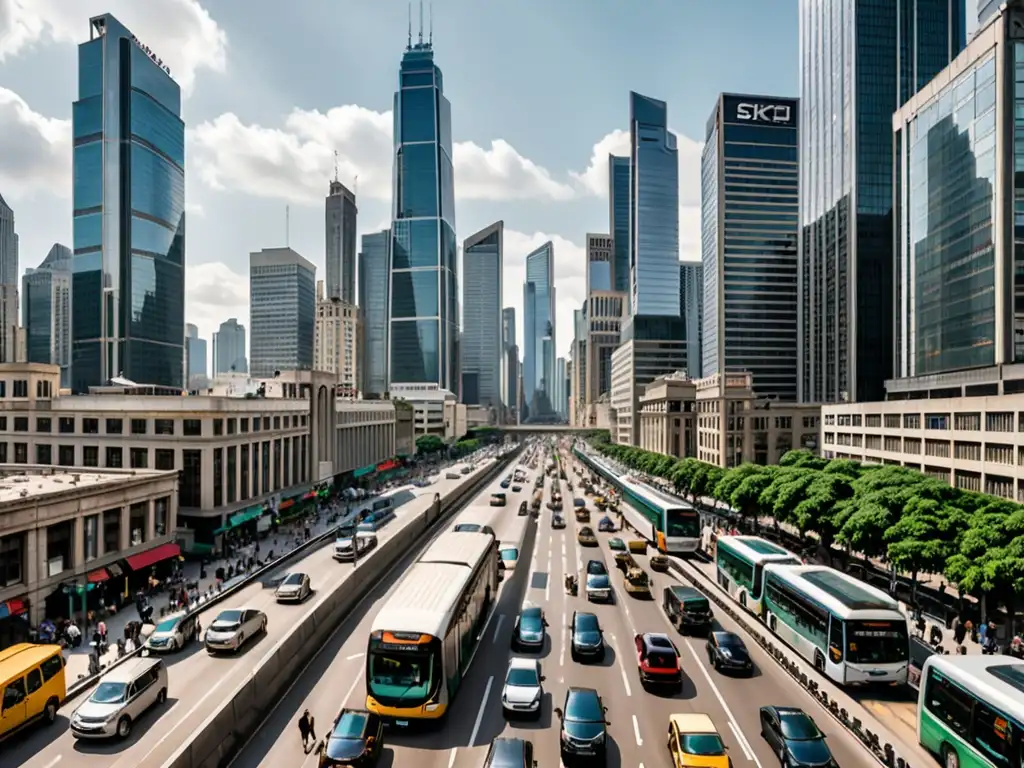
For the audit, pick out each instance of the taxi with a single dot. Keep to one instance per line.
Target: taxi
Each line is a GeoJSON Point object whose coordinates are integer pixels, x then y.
{"type": "Point", "coordinates": [693, 742]}
{"type": "Point", "coordinates": [637, 582]}
{"type": "Point", "coordinates": [585, 537]}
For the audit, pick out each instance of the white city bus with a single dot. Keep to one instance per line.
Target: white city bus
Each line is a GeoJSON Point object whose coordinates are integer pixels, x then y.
{"type": "Point", "coordinates": [424, 638]}
{"type": "Point", "coordinates": [970, 711]}
{"type": "Point", "coordinates": [849, 630]}
{"type": "Point", "coordinates": [740, 562]}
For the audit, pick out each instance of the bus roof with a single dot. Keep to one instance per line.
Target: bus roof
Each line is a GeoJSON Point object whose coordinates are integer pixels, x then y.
{"type": "Point", "coordinates": [754, 547]}
{"type": "Point", "coordinates": [834, 590]}
{"type": "Point", "coordinates": [998, 680]}
{"type": "Point", "coordinates": [461, 548]}
{"type": "Point", "coordinates": [654, 496]}
{"type": "Point", "coordinates": [14, 661]}
{"type": "Point", "coordinates": [424, 600]}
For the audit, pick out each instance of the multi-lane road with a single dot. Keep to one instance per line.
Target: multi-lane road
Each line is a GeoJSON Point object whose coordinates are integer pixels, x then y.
{"type": "Point", "coordinates": [639, 719]}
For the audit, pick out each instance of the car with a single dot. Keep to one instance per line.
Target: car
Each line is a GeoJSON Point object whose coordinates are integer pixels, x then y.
{"type": "Point", "coordinates": [354, 545]}
{"type": "Point", "coordinates": [498, 500]}
{"type": "Point", "coordinates": [616, 545]}
{"type": "Point", "coordinates": [557, 522]}
{"type": "Point", "coordinates": [606, 525]}
{"type": "Point", "coordinates": [233, 628]}
{"type": "Point", "coordinates": [472, 528]}
{"type": "Point", "coordinates": [693, 739]}
{"type": "Point", "coordinates": [584, 727]}
{"type": "Point", "coordinates": [452, 476]}
{"type": "Point", "coordinates": [658, 563]}
{"type": "Point", "coordinates": [173, 633]}
{"type": "Point", "coordinates": [523, 691]}
{"type": "Point", "coordinates": [582, 515]}
{"type": "Point", "coordinates": [510, 753]}
{"type": "Point", "coordinates": [524, 509]}
{"type": "Point", "coordinates": [530, 630]}
{"type": "Point", "coordinates": [657, 660]}
{"type": "Point", "coordinates": [294, 588]}
{"type": "Point", "coordinates": [727, 653]}
{"type": "Point", "coordinates": [356, 739]}
{"type": "Point", "coordinates": [509, 556]}
{"type": "Point", "coordinates": [688, 609]}
{"type": "Point", "coordinates": [795, 737]}
{"type": "Point", "coordinates": [517, 488]}
{"type": "Point", "coordinates": [586, 638]}
{"type": "Point", "coordinates": [123, 695]}
{"type": "Point", "coordinates": [598, 587]}
{"type": "Point", "coordinates": [585, 536]}
{"type": "Point", "coordinates": [506, 482]}
{"type": "Point", "coordinates": [636, 582]}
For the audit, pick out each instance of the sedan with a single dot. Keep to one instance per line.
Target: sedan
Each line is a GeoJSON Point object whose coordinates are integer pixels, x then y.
{"type": "Point", "coordinates": [584, 727]}
{"type": "Point", "coordinates": [452, 476]}
{"type": "Point", "coordinates": [727, 653]}
{"type": "Point", "coordinates": [605, 525]}
{"type": "Point", "coordinates": [517, 488]}
{"type": "Point", "coordinates": [586, 537]}
{"type": "Point", "coordinates": [557, 522]}
{"type": "Point", "coordinates": [523, 691]}
{"type": "Point", "coordinates": [510, 753]}
{"type": "Point", "coordinates": [294, 588]}
{"type": "Point", "coordinates": [586, 637]}
{"type": "Point", "coordinates": [796, 738]}
{"type": "Point", "coordinates": [357, 739]}
{"type": "Point", "coordinates": [529, 631]}
{"type": "Point", "coordinates": [616, 545]}
{"type": "Point", "coordinates": [230, 630]}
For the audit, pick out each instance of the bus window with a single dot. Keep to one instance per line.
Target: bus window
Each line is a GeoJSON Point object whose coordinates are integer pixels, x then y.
{"type": "Point", "coordinates": [755, 592]}
{"type": "Point", "coordinates": [994, 735]}
{"type": "Point", "coordinates": [835, 640]}
{"type": "Point", "coordinates": [949, 704]}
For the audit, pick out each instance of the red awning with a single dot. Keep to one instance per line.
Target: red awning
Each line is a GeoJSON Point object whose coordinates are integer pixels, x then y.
{"type": "Point", "coordinates": [98, 576]}
{"type": "Point", "coordinates": [151, 556]}
{"type": "Point", "coordinates": [285, 505]}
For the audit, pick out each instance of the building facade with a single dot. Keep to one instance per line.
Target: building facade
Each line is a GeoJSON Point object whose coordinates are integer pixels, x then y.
{"type": "Point", "coordinates": [600, 263]}
{"type": "Point", "coordinates": [374, 290]}
{"type": "Point", "coordinates": [340, 262]}
{"type": "Point", "coordinates": [561, 398]}
{"type": "Point", "coordinates": [605, 312]}
{"type": "Point", "coordinates": [668, 416]}
{"type": "Point", "coordinates": [8, 245]}
{"type": "Point", "coordinates": [229, 348]}
{"type": "Point", "coordinates": [539, 331]}
{"type": "Point", "coordinates": [128, 283]}
{"type": "Point", "coordinates": [481, 346]}
{"type": "Point", "coordinates": [336, 341]}
{"type": "Point", "coordinates": [424, 296]}
{"type": "Point", "coordinates": [618, 219]}
{"type": "Point", "coordinates": [860, 61]}
{"type": "Point", "coordinates": [510, 360]}
{"type": "Point", "coordinates": [195, 353]}
{"type": "Point", "coordinates": [691, 309]}
{"type": "Point", "coordinates": [749, 199]}
{"type": "Point", "coordinates": [282, 310]}
{"type": "Point", "coordinates": [46, 311]}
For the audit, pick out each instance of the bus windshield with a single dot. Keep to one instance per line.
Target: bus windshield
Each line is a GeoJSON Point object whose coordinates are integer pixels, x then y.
{"type": "Point", "coordinates": [401, 676]}
{"type": "Point", "coordinates": [877, 642]}
{"type": "Point", "coordinates": [683, 523]}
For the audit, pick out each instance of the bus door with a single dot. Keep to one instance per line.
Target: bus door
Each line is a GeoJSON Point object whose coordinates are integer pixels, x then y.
{"type": "Point", "coordinates": [452, 662]}
{"type": "Point", "coordinates": [836, 641]}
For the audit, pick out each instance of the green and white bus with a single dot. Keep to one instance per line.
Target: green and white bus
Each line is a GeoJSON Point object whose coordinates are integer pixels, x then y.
{"type": "Point", "coordinates": [740, 562]}
{"type": "Point", "coordinates": [849, 630]}
{"type": "Point", "coordinates": [970, 711]}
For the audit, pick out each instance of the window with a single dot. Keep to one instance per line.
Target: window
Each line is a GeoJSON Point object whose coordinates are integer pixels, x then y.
{"type": "Point", "coordinates": [52, 666]}
{"type": "Point", "coordinates": [111, 530]}
{"type": "Point", "coordinates": [243, 466]}
{"type": "Point", "coordinates": [232, 473]}
{"type": "Point", "coordinates": [190, 486]}
{"type": "Point", "coordinates": [277, 465]}
{"type": "Point", "coordinates": [740, 570]}
{"type": "Point", "coordinates": [137, 523]}
{"type": "Point", "coordinates": [20, 388]}
{"type": "Point", "coordinates": [949, 703]}
{"type": "Point", "coordinates": [232, 426]}
{"type": "Point", "coordinates": [266, 423]}
{"type": "Point", "coordinates": [44, 425]}
{"type": "Point", "coordinates": [192, 428]}
{"type": "Point", "coordinates": [115, 426]}
{"type": "Point", "coordinates": [44, 453]}
{"type": "Point", "coordinates": [33, 681]}
{"type": "Point", "coordinates": [994, 735]}
{"type": "Point", "coordinates": [21, 423]}
{"type": "Point", "coordinates": [799, 613]}
{"type": "Point", "coordinates": [66, 425]}
{"type": "Point", "coordinates": [835, 640]}
{"type": "Point", "coordinates": [115, 458]}
{"type": "Point", "coordinates": [163, 426]}
{"type": "Point", "coordinates": [66, 455]}
{"type": "Point", "coordinates": [160, 507]}
{"type": "Point", "coordinates": [244, 425]}
{"type": "Point", "coordinates": [91, 536]}
{"type": "Point", "coordinates": [139, 458]}
{"type": "Point", "coordinates": [139, 426]}
{"type": "Point", "coordinates": [218, 476]}
{"type": "Point", "coordinates": [218, 426]}
{"type": "Point", "coordinates": [90, 456]}
{"type": "Point", "coordinates": [12, 559]}
{"type": "Point", "coordinates": [14, 693]}
{"type": "Point", "coordinates": [43, 389]}
{"type": "Point", "coordinates": [277, 422]}
{"type": "Point", "coordinates": [21, 453]}
{"type": "Point", "coordinates": [58, 547]}
{"type": "Point", "coordinates": [91, 426]}
{"type": "Point", "coordinates": [3, 423]}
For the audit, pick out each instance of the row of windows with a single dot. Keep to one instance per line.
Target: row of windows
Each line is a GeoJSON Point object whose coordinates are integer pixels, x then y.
{"type": "Point", "coordinates": [986, 729]}
{"type": "Point", "coordinates": [189, 427]}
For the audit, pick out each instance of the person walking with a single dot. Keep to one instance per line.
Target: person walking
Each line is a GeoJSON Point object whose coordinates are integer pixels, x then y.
{"type": "Point", "coordinates": [306, 729]}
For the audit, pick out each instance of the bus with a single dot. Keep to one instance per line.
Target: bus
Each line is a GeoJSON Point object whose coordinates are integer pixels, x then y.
{"type": "Point", "coordinates": [671, 525]}
{"type": "Point", "coordinates": [970, 711]}
{"type": "Point", "coordinates": [425, 637]}
{"type": "Point", "coordinates": [850, 631]}
{"type": "Point", "coordinates": [740, 561]}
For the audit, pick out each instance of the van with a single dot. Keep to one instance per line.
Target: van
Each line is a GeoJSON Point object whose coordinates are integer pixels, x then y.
{"type": "Point", "coordinates": [120, 698]}
{"type": "Point", "coordinates": [687, 609]}
{"type": "Point", "coordinates": [34, 685]}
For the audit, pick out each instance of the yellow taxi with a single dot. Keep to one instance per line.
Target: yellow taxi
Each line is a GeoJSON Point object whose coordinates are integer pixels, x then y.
{"type": "Point", "coordinates": [693, 742]}
{"type": "Point", "coordinates": [636, 581]}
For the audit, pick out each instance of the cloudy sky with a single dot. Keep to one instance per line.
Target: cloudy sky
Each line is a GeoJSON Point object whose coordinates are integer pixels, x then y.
{"type": "Point", "coordinates": [539, 92]}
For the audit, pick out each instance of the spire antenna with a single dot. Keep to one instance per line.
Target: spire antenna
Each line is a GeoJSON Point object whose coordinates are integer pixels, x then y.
{"type": "Point", "coordinates": [287, 226]}
{"type": "Point", "coordinates": [410, 24]}
{"type": "Point", "coordinates": [421, 22]}
{"type": "Point", "coordinates": [430, 38]}
{"type": "Point", "coordinates": [355, 186]}
{"type": "Point", "coordinates": [335, 165]}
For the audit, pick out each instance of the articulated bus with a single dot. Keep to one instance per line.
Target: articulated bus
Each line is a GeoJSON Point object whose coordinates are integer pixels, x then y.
{"type": "Point", "coordinates": [970, 711]}
{"type": "Point", "coordinates": [426, 635]}
{"type": "Point", "coordinates": [850, 631]}
{"type": "Point", "coordinates": [671, 525]}
{"type": "Point", "coordinates": [740, 561]}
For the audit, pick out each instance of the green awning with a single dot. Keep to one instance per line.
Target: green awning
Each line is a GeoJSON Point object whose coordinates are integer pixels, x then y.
{"type": "Point", "coordinates": [365, 471]}
{"type": "Point", "coordinates": [243, 517]}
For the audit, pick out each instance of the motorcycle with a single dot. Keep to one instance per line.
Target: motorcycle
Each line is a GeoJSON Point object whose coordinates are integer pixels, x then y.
{"type": "Point", "coordinates": [571, 586]}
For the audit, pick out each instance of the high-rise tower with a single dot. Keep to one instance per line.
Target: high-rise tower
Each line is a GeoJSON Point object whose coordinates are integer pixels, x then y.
{"type": "Point", "coordinates": [374, 284]}
{"type": "Point", "coordinates": [340, 262]}
{"type": "Point", "coordinates": [482, 338]}
{"type": "Point", "coordinates": [539, 331]}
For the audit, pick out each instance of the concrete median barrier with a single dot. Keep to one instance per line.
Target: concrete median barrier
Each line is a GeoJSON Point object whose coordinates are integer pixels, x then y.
{"type": "Point", "coordinates": [216, 741]}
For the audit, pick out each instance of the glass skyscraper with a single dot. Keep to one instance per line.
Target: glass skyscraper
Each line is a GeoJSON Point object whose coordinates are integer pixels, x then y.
{"type": "Point", "coordinates": [860, 61]}
{"type": "Point", "coordinates": [46, 311]}
{"type": "Point", "coordinates": [481, 307]}
{"type": "Point", "coordinates": [282, 309]}
{"type": "Point", "coordinates": [691, 309]}
{"type": "Point", "coordinates": [539, 331]}
{"type": "Point", "coordinates": [340, 264]}
{"type": "Point", "coordinates": [128, 281]}
{"type": "Point", "coordinates": [229, 355]}
{"type": "Point", "coordinates": [374, 268]}
{"type": "Point", "coordinates": [654, 210]}
{"type": "Point", "coordinates": [424, 282]}
{"type": "Point", "coordinates": [618, 203]}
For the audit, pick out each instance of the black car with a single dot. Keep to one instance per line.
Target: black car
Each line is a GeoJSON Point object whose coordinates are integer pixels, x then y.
{"type": "Point", "coordinates": [529, 631]}
{"type": "Point", "coordinates": [727, 653]}
{"type": "Point", "coordinates": [356, 739]}
{"type": "Point", "coordinates": [557, 522]}
{"type": "Point", "coordinates": [586, 637]}
{"type": "Point", "coordinates": [584, 727]}
{"type": "Point", "coordinates": [606, 525]}
{"type": "Point", "coordinates": [510, 753]}
{"type": "Point", "coordinates": [524, 509]}
{"type": "Point", "coordinates": [688, 609]}
{"type": "Point", "coordinates": [796, 739]}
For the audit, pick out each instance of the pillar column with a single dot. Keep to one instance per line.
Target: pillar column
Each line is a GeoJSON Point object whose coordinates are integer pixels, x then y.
{"type": "Point", "coordinates": [77, 543]}
{"type": "Point", "coordinates": [125, 538]}
{"type": "Point", "coordinates": [42, 574]}
{"type": "Point", "coordinates": [150, 519]}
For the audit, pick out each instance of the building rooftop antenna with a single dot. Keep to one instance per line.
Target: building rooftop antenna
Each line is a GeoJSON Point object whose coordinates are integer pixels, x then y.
{"type": "Point", "coordinates": [430, 38]}
{"type": "Point", "coordinates": [355, 186]}
{"type": "Point", "coordinates": [287, 226]}
{"type": "Point", "coordinates": [421, 22]}
{"type": "Point", "coordinates": [409, 44]}
{"type": "Point", "coordinates": [335, 165]}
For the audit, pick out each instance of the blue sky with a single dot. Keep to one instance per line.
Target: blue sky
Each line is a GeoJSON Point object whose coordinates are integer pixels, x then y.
{"type": "Point", "coordinates": [539, 92]}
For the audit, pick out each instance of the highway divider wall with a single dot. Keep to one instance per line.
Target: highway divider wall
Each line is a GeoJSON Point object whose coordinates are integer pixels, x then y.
{"type": "Point", "coordinates": [218, 739]}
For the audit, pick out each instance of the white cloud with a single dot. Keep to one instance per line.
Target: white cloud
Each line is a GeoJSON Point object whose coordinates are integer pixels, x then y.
{"type": "Point", "coordinates": [181, 32]}
{"type": "Point", "coordinates": [594, 180]}
{"type": "Point", "coordinates": [35, 151]}
{"type": "Point", "coordinates": [213, 293]}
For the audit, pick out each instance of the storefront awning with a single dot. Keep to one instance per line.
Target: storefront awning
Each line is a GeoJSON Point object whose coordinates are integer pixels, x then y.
{"type": "Point", "coordinates": [239, 518]}
{"type": "Point", "coordinates": [13, 607]}
{"type": "Point", "coordinates": [365, 471]}
{"type": "Point", "coordinates": [152, 556]}
{"type": "Point", "coordinates": [98, 576]}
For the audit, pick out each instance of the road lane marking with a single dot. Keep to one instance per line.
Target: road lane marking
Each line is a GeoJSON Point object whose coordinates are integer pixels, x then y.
{"type": "Point", "coordinates": [480, 714]}
{"type": "Point", "coordinates": [451, 757]}
{"type": "Point", "coordinates": [561, 653]}
{"type": "Point", "coordinates": [354, 656]}
{"type": "Point", "coordinates": [497, 627]}
{"type": "Point", "coordinates": [737, 731]}
{"type": "Point", "coordinates": [636, 732]}
{"type": "Point", "coordinates": [53, 762]}
{"type": "Point", "coordinates": [348, 693]}
{"type": "Point", "coordinates": [622, 667]}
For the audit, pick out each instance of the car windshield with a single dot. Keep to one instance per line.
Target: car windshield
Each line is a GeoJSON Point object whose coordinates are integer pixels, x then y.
{"type": "Point", "coordinates": [731, 642]}
{"type": "Point", "coordinates": [583, 707]}
{"type": "Point", "coordinates": [810, 752]}
{"type": "Point", "coordinates": [294, 579]}
{"type": "Point", "coordinates": [349, 726]}
{"type": "Point", "coordinates": [683, 523]}
{"type": "Point", "coordinates": [597, 581]}
{"type": "Point", "coordinates": [509, 553]}
{"type": "Point", "coordinates": [584, 531]}
{"type": "Point", "coordinates": [167, 625]}
{"type": "Point", "coordinates": [531, 622]}
{"type": "Point", "coordinates": [877, 642]}
{"type": "Point", "coordinates": [798, 727]}
{"type": "Point", "coordinates": [467, 528]}
{"type": "Point", "coordinates": [521, 676]}
{"type": "Point", "coordinates": [228, 620]}
{"type": "Point", "coordinates": [596, 567]}
{"type": "Point", "coordinates": [109, 693]}
{"type": "Point", "coordinates": [586, 622]}
{"type": "Point", "coordinates": [661, 660]}
{"type": "Point", "coordinates": [704, 744]}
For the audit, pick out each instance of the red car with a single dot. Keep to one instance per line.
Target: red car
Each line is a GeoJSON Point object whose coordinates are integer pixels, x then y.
{"type": "Point", "coordinates": [657, 660]}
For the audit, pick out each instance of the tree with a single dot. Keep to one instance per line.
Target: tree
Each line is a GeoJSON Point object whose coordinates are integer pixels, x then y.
{"type": "Point", "coordinates": [802, 458]}
{"type": "Point", "coordinates": [429, 444]}
{"type": "Point", "coordinates": [922, 539]}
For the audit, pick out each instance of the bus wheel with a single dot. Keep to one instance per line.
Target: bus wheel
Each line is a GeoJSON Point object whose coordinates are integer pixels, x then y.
{"type": "Point", "coordinates": [950, 758]}
{"type": "Point", "coordinates": [819, 661]}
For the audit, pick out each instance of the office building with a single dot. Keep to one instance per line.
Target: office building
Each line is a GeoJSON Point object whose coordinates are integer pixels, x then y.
{"type": "Point", "coordinates": [578, 356]}
{"type": "Point", "coordinates": [282, 309]}
{"type": "Point", "coordinates": [128, 282]}
{"type": "Point", "coordinates": [691, 309]}
{"type": "Point", "coordinates": [424, 280]}
{"type": "Point", "coordinates": [9, 314]}
{"type": "Point", "coordinates": [846, 262]}
{"type": "Point", "coordinates": [600, 263]}
{"type": "Point", "coordinates": [336, 341]}
{"type": "Point", "coordinates": [654, 210]}
{"type": "Point", "coordinates": [374, 290]}
{"type": "Point", "coordinates": [561, 389]}
{"type": "Point", "coordinates": [340, 268]}
{"type": "Point", "coordinates": [510, 360]}
{"type": "Point", "coordinates": [8, 245]}
{"type": "Point", "coordinates": [195, 353]}
{"type": "Point", "coordinates": [481, 345]}
{"type": "Point", "coordinates": [539, 331]}
{"type": "Point", "coordinates": [749, 199]}
{"type": "Point", "coordinates": [618, 219]}
{"type": "Point", "coordinates": [229, 348]}
{"type": "Point", "coordinates": [46, 311]}
{"type": "Point", "coordinates": [603, 316]}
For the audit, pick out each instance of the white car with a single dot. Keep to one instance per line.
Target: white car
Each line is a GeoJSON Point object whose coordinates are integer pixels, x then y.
{"type": "Point", "coordinates": [294, 588]}
{"type": "Point", "coordinates": [523, 691]}
{"type": "Point", "coordinates": [232, 628]}
{"type": "Point", "coordinates": [346, 548]}
{"type": "Point", "coordinates": [173, 633]}
{"type": "Point", "coordinates": [509, 554]}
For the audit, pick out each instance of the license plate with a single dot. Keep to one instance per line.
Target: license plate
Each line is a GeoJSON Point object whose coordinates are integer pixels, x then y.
{"type": "Point", "coordinates": [876, 673]}
{"type": "Point", "coordinates": [402, 723]}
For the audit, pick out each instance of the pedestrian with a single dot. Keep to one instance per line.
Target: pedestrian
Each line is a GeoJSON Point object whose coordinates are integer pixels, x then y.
{"type": "Point", "coordinates": [306, 729]}
{"type": "Point", "coordinates": [959, 631]}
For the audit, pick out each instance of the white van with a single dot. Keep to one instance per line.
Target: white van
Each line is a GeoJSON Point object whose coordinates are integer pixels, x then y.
{"type": "Point", "coordinates": [120, 698]}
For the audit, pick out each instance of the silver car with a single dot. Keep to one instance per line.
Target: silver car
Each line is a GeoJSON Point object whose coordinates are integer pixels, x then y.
{"type": "Point", "coordinates": [230, 630]}
{"type": "Point", "coordinates": [121, 697]}
{"type": "Point", "coordinates": [173, 633]}
{"type": "Point", "coordinates": [294, 589]}
{"type": "Point", "coordinates": [346, 548]}
{"type": "Point", "coordinates": [523, 691]}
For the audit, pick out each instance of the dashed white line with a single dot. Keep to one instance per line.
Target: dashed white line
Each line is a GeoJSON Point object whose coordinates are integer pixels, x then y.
{"type": "Point", "coordinates": [636, 732]}
{"type": "Point", "coordinates": [480, 714]}
{"type": "Point", "coordinates": [561, 653]}
{"type": "Point", "coordinates": [622, 667]}
{"type": "Point", "coordinates": [53, 762]}
{"type": "Point", "coordinates": [354, 656]}
{"type": "Point", "coordinates": [497, 627]}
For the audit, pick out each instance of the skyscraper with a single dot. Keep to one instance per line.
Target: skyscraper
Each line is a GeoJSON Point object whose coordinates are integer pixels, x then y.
{"type": "Point", "coordinates": [46, 311]}
{"type": "Point", "coordinates": [8, 245]}
{"type": "Point", "coordinates": [229, 348]}
{"type": "Point", "coordinates": [618, 219]}
{"type": "Point", "coordinates": [654, 210]}
{"type": "Point", "coordinates": [482, 260]}
{"type": "Point", "coordinates": [424, 281]}
{"type": "Point", "coordinates": [749, 241]}
{"type": "Point", "coordinates": [561, 391]}
{"type": "Point", "coordinates": [282, 309]}
{"type": "Point", "coordinates": [128, 283]}
{"type": "Point", "coordinates": [340, 214]}
{"type": "Point", "coordinates": [691, 308]}
{"type": "Point", "coordinates": [374, 289]}
{"type": "Point", "coordinates": [847, 101]}
{"type": "Point", "coordinates": [539, 331]}
{"type": "Point", "coordinates": [336, 339]}
{"type": "Point", "coordinates": [195, 351]}
{"type": "Point", "coordinates": [600, 261]}
{"type": "Point", "coordinates": [510, 360]}
{"type": "Point", "coordinates": [8, 285]}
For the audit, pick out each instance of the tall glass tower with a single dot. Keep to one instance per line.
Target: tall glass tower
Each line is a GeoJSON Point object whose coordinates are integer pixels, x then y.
{"type": "Point", "coordinates": [539, 331]}
{"type": "Point", "coordinates": [424, 280]}
{"type": "Point", "coordinates": [374, 268]}
{"type": "Point", "coordinates": [861, 60]}
{"type": "Point", "coordinates": [128, 281]}
{"type": "Point", "coordinates": [618, 225]}
{"type": "Point", "coordinates": [481, 336]}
